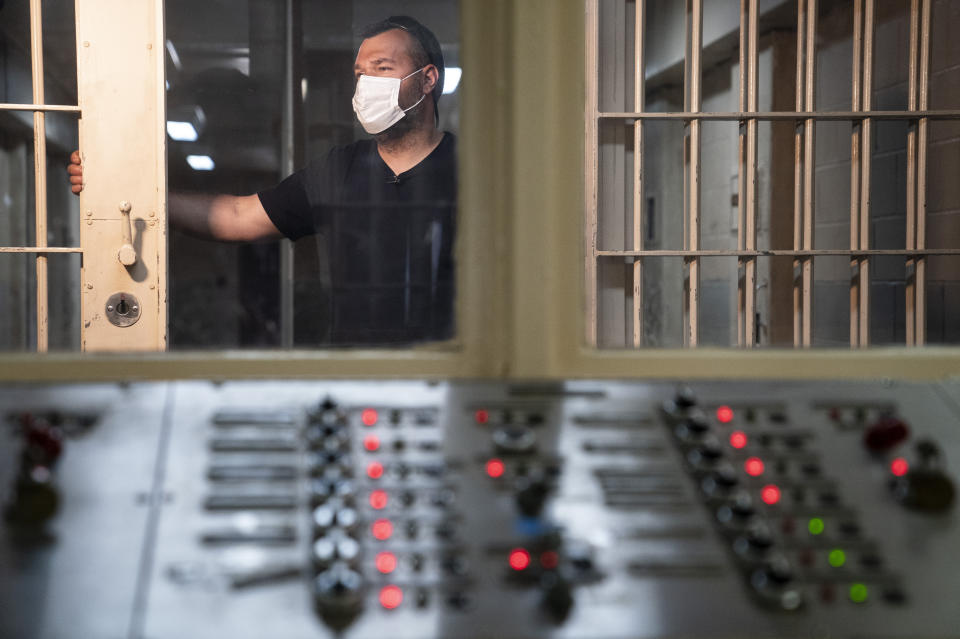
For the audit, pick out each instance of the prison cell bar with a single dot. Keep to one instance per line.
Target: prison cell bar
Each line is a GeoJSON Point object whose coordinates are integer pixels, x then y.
{"type": "Point", "coordinates": [799, 116]}
{"type": "Point", "coordinates": [798, 174]}
{"type": "Point", "coordinates": [62, 108]}
{"type": "Point", "coordinates": [809, 131]}
{"type": "Point", "coordinates": [778, 253]}
{"type": "Point", "coordinates": [741, 173]}
{"type": "Point", "coordinates": [592, 161]}
{"type": "Point", "coordinates": [692, 100]}
{"type": "Point", "coordinates": [748, 241]}
{"type": "Point", "coordinates": [855, 159]}
{"type": "Point", "coordinates": [921, 230]}
{"type": "Point", "coordinates": [40, 171]}
{"type": "Point", "coordinates": [866, 135]}
{"type": "Point", "coordinates": [639, 104]}
{"type": "Point", "coordinates": [911, 187]}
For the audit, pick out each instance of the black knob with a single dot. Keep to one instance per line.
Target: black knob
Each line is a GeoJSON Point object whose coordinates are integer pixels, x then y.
{"type": "Point", "coordinates": [926, 487]}
{"type": "Point", "coordinates": [924, 490]}
{"type": "Point", "coordinates": [886, 433]}
{"type": "Point", "coordinates": [557, 598]}
{"type": "Point", "coordinates": [338, 595]}
{"type": "Point", "coordinates": [685, 398]}
{"type": "Point", "coordinates": [514, 439]}
{"type": "Point", "coordinates": [531, 495]}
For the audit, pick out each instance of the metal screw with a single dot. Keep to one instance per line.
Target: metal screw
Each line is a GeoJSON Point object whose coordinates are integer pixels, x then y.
{"type": "Point", "coordinates": [89, 213]}
{"type": "Point", "coordinates": [90, 286]}
{"type": "Point", "coordinates": [135, 308]}
{"type": "Point", "coordinates": [109, 308]}
{"type": "Point", "coordinates": [89, 222]}
{"type": "Point", "coordinates": [125, 206]}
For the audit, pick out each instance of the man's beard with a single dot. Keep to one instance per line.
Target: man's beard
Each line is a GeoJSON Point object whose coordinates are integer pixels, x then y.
{"type": "Point", "coordinates": [399, 130]}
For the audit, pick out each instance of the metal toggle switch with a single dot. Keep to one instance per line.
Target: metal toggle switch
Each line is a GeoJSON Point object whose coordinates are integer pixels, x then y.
{"type": "Point", "coordinates": [127, 254]}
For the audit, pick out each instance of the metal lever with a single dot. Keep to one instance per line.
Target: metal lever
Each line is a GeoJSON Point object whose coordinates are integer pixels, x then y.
{"type": "Point", "coordinates": [127, 254]}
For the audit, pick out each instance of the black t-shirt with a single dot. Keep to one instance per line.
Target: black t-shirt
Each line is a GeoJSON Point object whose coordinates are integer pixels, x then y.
{"type": "Point", "coordinates": [389, 238]}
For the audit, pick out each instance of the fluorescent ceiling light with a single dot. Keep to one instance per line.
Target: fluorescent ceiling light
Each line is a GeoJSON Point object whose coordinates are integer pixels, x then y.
{"type": "Point", "coordinates": [182, 131]}
{"type": "Point", "coordinates": [451, 78]}
{"type": "Point", "coordinates": [200, 162]}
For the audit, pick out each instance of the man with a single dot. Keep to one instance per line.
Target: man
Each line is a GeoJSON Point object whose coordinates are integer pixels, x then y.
{"type": "Point", "coordinates": [387, 206]}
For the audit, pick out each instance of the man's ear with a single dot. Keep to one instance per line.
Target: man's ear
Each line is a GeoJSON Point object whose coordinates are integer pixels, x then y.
{"type": "Point", "coordinates": [431, 76]}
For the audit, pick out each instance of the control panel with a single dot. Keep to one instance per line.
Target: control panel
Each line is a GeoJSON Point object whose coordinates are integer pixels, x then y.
{"type": "Point", "coordinates": [415, 509]}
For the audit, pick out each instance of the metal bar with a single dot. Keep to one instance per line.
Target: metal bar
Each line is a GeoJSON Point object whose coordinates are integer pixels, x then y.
{"type": "Point", "coordinates": [798, 115]}
{"type": "Point", "coordinates": [921, 237]}
{"type": "Point", "coordinates": [639, 104]}
{"type": "Point", "coordinates": [780, 253]}
{"type": "Point", "coordinates": [855, 104]}
{"type": "Point", "coordinates": [38, 249]}
{"type": "Point", "coordinates": [865, 164]}
{"type": "Point", "coordinates": [62, 108]}
{"type": "Point", "coordinates": [741, 172]}
{"type": "Point", "coordinates": [592, 163]}
{"type": "Point", "coordinates": [40, 171]}
{"type": "Point", "coordinates": [808, 170]}
{"type": "Point", "coordinates": [750, 234]}
{"type": "Point", "coordinates": [798, 176]}
{"type": "Point", "coordinates": [911, 220]}
{"type": "Point", "coordinates": [693, 99]}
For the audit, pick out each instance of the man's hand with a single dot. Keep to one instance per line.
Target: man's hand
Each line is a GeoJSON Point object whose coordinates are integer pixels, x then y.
{"type": "Point", "coordinates": [75, 171]}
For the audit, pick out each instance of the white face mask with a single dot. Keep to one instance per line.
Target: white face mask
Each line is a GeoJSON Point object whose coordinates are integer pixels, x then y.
{"type": "Point", "coordinates": [377, 102]}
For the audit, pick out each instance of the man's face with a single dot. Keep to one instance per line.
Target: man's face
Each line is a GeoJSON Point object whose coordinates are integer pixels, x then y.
{"type": "Point", "coordinates": [388, 55]}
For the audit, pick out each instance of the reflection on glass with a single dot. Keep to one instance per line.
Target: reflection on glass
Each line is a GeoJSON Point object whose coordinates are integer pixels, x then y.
{"type": "Point", "coordinates": [341, 139]}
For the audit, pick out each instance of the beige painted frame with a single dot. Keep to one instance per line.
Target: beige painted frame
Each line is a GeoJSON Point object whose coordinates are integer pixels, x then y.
{"type": "Point", "coordinates": [521, 248]}
{"type": "Point", "coordinates": [122, 99]}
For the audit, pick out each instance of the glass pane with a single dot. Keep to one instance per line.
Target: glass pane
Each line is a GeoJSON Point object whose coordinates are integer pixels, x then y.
{"type": "Point", "coordinates": [373, 213]}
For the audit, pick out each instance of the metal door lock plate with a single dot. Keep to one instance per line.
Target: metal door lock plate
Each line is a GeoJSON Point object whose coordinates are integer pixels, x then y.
{"type": "Point", "coordinates": [123, 309]}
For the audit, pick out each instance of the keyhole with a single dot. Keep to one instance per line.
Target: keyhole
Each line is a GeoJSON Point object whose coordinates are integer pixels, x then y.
{"type": "Point", "coordinates": [122, 307]}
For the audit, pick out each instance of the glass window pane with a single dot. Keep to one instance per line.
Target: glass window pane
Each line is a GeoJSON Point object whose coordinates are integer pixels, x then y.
{"type": "Point", "coordinates": [373, 214]}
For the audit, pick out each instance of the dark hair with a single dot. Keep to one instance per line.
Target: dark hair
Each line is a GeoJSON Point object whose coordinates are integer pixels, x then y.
{"type": "Point", "coordinates": [426, 48]}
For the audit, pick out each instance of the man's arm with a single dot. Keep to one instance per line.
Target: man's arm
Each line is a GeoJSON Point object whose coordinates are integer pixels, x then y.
{"type": "Point", "coordinates": [230, 218]}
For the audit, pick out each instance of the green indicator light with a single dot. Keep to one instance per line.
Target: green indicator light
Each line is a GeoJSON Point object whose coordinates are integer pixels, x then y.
{"type": "Point", "coordinates": [837, 558]}
{"type": "Point", "coordinates": [815, 526]}
{"type": "Point", "coordinates": [858, 593]}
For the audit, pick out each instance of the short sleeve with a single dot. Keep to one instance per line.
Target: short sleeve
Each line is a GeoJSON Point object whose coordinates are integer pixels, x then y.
{"type": "Point", "coordinates": [288, 207]}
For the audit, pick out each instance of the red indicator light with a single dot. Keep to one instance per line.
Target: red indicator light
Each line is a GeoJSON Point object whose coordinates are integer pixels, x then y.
{"type": "Point", "coordinates": [482, 416]}
{"type": "Point", "coordinates": [368, 416]}
{"type": "Point", "coordinates": [391, 597]}
{"type": "Point", "coordinates": [738, 439]}
{"type": "Point", "coordinates": [495, 468]}
{"type": "Point", "coordinates": [386, 562]}
{"type": "Point", "coordinates": [371, 442]}
{"type": "Point", "coordinates": [382, 529]}
{"type": "Point", "coordinates": [753, 466]}
{"type": "Point", "coordinates": [549, 559]}
{"type": "Point", "coordinates": [378, 499]}
{"type": "Point", "coordinates": [374, 470]}
{"type": "Point", "coordinates": [899, 467]}
{"type": "Point", "coordinates": [770, 494]}
{"type": "Point", "coordinates": [724, 414]}
{"type": "Point", "coordinates": [519, 559]}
